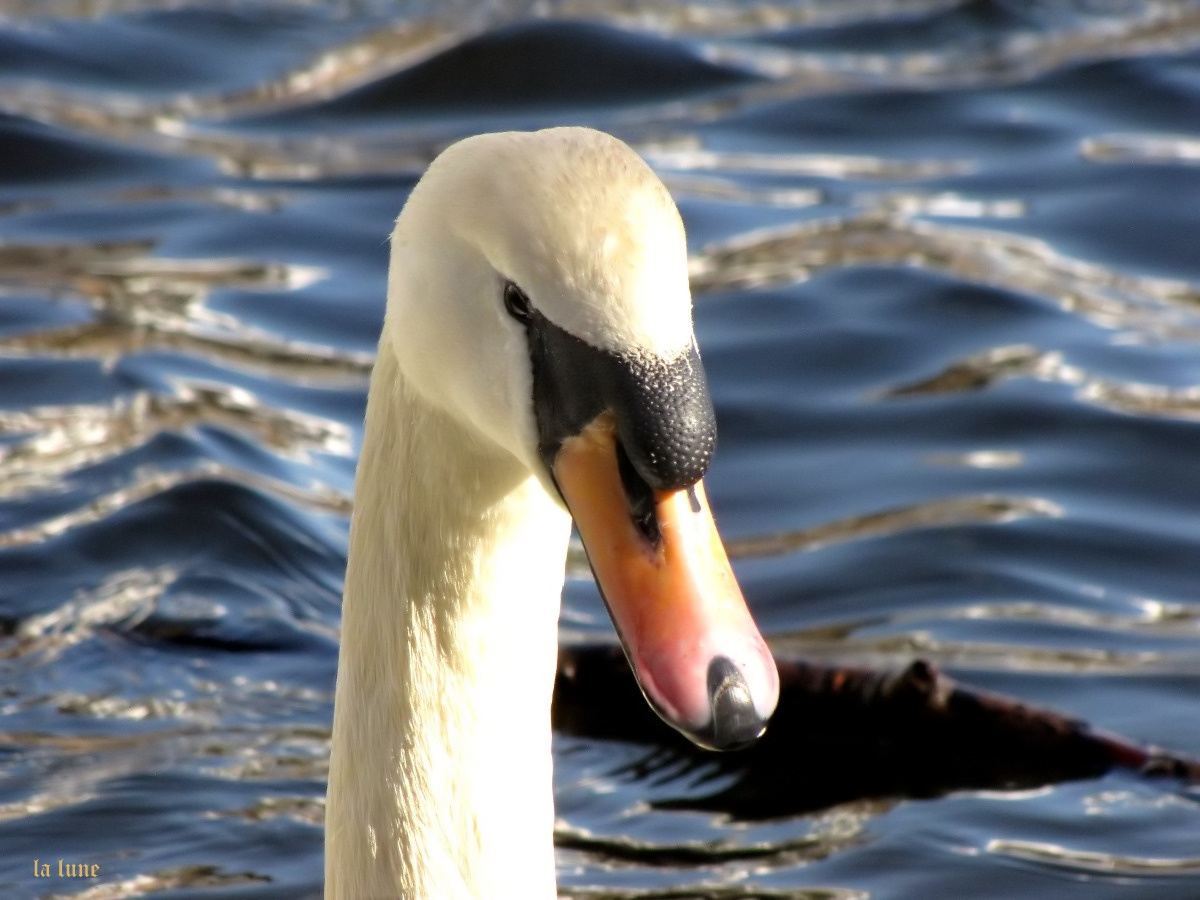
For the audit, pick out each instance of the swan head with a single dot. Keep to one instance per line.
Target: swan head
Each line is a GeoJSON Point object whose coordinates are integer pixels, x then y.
{"type": "Point", "coordinates": [538, 293]}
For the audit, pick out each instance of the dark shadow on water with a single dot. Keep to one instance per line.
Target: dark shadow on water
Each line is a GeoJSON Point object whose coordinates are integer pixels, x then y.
{"type": "Point", "coordinates": [593, 65]}
{"type": "Point", "coordinates": [846, 734]}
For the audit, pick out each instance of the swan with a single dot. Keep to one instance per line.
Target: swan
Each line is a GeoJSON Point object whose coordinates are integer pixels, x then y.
{"type": "Point", "coordinates": [537, 364]}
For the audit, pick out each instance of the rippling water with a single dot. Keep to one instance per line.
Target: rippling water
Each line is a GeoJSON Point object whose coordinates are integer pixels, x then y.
{"type": "Point", "coordinates": [948, 291]}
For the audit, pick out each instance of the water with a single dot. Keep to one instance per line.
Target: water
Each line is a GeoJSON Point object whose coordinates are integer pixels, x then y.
{"type": "Point", "coordinates": [947, 292]}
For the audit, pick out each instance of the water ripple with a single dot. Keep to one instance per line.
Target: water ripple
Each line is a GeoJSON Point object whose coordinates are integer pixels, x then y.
{"type": "Point", "coordinates": [715, 892]}
{"type": "Point", "coordinates": [994, 56]}
{"type": "Point", "coordinates": [820, 165]}
{"type": "Point", "coordinates": [123, 599]}
{"type": "Point", "coordinates": [193, 877]}
{"type": "Point", "coordinates": [63, 439]}
{"type": "Point", "coordinates": [146, 484]}
{"type": "Point", "coordinates": [1151, 616]}
{"type": "Point", "coordinates": [1141, 148]}
{"type": "Point", "coordinates": [828, 833]}
{"type": "Point", "coordinates": [1151, 307]}
{"type": "Point", "coordinates": [997, 364]}
{"type": "Point", "coordinates": [957, 511]}
{"type": "Point", "coordinates": [896, 650]}
{"type": "Point", "coordinates": [122, 279]}
{"type": "Point", "coordinates": [1094, 862]}
{"type": "Point", "coordinates": [246, 349]}
{"type": "Point", "coordinates": [880, 131]}
{"type": "Point", "coordinates": [144, 302]}
{"type": "Point", "coordinates": [398, 46]}
{"type": "Point", "coordinates": [170, 125]}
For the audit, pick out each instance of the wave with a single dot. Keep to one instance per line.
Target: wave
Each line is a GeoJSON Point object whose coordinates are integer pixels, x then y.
{"type": "Point", "coordinates": [753, 69]}
{"type": "Point", "coordinates": [1153, 308]}
{"type": "Point", "coordinates": [1094, 862]}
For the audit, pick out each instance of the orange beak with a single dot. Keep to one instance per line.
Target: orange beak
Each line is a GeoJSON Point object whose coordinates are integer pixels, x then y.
{"type": "Point", "coordinates": [676, 605]}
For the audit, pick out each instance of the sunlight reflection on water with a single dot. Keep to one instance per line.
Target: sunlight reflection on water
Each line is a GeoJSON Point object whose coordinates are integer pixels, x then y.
{"type": "Point", "coordinates": [947, 292]}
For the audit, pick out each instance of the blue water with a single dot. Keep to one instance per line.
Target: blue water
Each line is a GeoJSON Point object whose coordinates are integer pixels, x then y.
{"type": "Point", "coordinates": [945, 264]}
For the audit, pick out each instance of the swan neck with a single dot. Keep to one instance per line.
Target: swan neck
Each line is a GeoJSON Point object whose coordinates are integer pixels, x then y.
{"type": "Point", "coordinates": [440, 773]}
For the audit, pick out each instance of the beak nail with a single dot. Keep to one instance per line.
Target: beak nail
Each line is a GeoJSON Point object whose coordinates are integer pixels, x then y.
{"type": "Point", "coordinates": [735, 721]}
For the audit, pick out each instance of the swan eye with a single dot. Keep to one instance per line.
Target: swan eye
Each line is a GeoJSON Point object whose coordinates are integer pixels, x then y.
{"type": "Point", "coordinates": [517, 303]}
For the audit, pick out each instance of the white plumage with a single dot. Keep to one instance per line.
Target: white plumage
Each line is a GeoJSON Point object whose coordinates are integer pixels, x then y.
{"type": "Point", "coordinates": [440, 778]}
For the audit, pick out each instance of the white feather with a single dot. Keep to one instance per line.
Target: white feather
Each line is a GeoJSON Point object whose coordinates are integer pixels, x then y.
{"type": "Point", "coordinates": [440, 775]}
